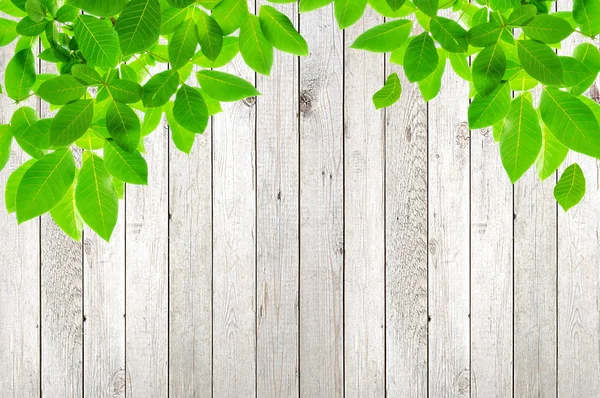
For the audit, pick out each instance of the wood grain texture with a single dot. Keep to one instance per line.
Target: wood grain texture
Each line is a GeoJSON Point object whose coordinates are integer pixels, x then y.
{"type": "Point", "coordinates": [234, 244]}
{"type": "Point", "coordinates": [321, 208]}
{"type": "Point", "coordinates": [406, 241]}
{"type": "Point", "coordinates": [364, 221]}
{"type": "Point", "coordinates": [190, 268]}
{"type": "Point", "coordinates": [147, 271]}
{"type": "Point", "coordinates": [277, 223]}
{"type": "Point", "coordinates": [448, 228]}
{"type": "Point", "coordinates": [19, 280]}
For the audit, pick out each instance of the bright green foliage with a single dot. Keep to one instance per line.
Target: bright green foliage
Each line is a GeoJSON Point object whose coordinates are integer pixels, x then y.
{"type": "Point", "coordinates": [570, 189]}
{"type": "Point", "coordinates": [106, 95]}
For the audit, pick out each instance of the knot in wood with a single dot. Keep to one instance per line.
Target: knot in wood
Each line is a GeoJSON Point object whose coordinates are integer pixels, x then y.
{"type": "Point", "coordinates": [249, 102]}
{"type": "Point", "coordinates": [305, 102]}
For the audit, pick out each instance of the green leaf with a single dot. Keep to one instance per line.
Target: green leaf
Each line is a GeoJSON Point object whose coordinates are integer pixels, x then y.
{"type": "Point", "coordinates": [522, 15]}
{"type": "Point", "coordinates": [571, 121]}
{"type": "Point", "coordinates": [37, 135]}
{"type": "Point", "coordinates": [159, 89]}
{"type": "Point", "coordinates": [228, 52]}
{"type": "Point", "coordinates": [86, 74]}
{"type": "Point", "coordinates": [551, 156]}
{"type": "Point", "coordinates": [61, 90]}
{"type": "Point", "coordinates": [420, 58]}
{"type": "Point", "coordinates": [504, 4]}
{"type": "Point", "coordinates": [230, 14]}
{"type": "Point", "coordinates": [27, 27]}
{"type": "Point", "coordinates": [348, 12]}
{"type": "Point", "coordinates": [19, 76]}
{"type": "Point", "coordinates": [588, 54]}
{"type": "Point", "coordinates": [460, 64]}
{"type": "Point", "coordinates": [138, 26]}
{"type": "Point", "coordinates": [280, 31]}
{"type": "Point", "coordinates": [428, 7]}
{"type": "Point", "coordinates": [12, 183]}
{"type": "Point", "coordinates": [570, 189]}
{"type": "Point", "coordinates": [101, 8]}
{"type": "Point", "coordinates": [67, 13]}
{"type": "Point", "coordinates": [587, 15]}
{"type": "Point", "coordinates": [183, 43]}
{"type": "Point", "coordinates": [488, 69]}
{"type": "Point", "coordinates": [548, 29]}
{"type": "Point", "coordinates": [575, 71]}
{"type": "Point", "coordinates": [431, 85]}
{"type": "Point", "coordinates": [521, 138]}
{"type": "Point", "coordinates": [182, 138]}
{"type": "Point", "coordinates": [540, 62]}
{"type": "Point", "coordinates": [66, 216]}
{"type": "Point", "coordinates": [485, 34]}
{"type": "Point", "coordinates": [8, 31]}
{"type": "Point", "coordinates": [5, 144]}
{"type": "Point", "coordinates": [123, 125]}
{"type": "Point", "coordinates": [152, 118]}
{"type": "Point", "coordinates": [96, 197]}
{"type": "Point", "coordinates": [395, 5]}
{"type": "Point", "coordinates": [71, 122]}
{"type": "Point", "coordinates": [254, 46]}
{"type": "Point", "coordinates": [128, 167]}
{"type": "Point", "coordinates": [98, 42]}
{"type": "Point", "coordinates": [44, 184]}
{"type": "Point", "coordinates": [190, 110]}
{"type": "Point", "coordinates": [125, 91]}
{"type": "Point", "coordinates": [311, 5]}
{"type": "Point", "coordinates": [451, 36]}
{"type": "Point", "coordinates": [210, 36]}
{"type": "Point", "coordinates": [487, 111]}
{"type": "Point", "coordinates": [171, 18]}
{"type": "Point", "coordinates": [180, 3]}
{"type": "Point", "coordinates": [225, 87]}
{"type": "Point", "coordinates": [389, 93]}
{"type": "Point", "coordinates": [385, 37]}
{"type": "Point", "coordinates": [383, 8]}
{"type": "Point", "coordinates": [36, 10]}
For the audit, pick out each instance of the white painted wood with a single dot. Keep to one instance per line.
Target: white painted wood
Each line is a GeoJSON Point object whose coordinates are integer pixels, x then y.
{"type": "Point", "coordinates": [234, 244]}
{"type": "Point", "coordinates": [278, 246]}
{"type": "Point", "coordinates": [146, 272]}
{"type": "Point", "coordinates": [364, 221]}
{"type": "Point", "coordinates": [406, 241]}
{"type": "Point", "coordinates": [19, 280]}
{"type": "Point", "coordinates": [190, 268]}
{"type": "Point", "coordinates": [448, 233]}
{"type": "Point", "coordinates": [321, 208]}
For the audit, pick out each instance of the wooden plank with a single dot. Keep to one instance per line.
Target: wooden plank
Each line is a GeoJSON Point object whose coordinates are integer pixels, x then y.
{"type": "Point", "coordinates": [190, 268]}
{"type": "Point", "coordinates": [277, 175]}
{"type": "Point", "coordinates": [578, 277]}
{"type": "Point", "coordinates": [321, 208]}
{"type": "Point", "coordinates": [364, 221]}
{"type": "Point", "coordinates": [406, 241]}
{"type": "Point", "coordinates": [146, 273]}
{"type": "Point", "coordinates": [234, 244]}
{"type": "Point", "coordinates": [448, 245]}
{"type": "Point", "coordinates": [61, 303]}
{"type": "Point", "coordinates": [20, 281]}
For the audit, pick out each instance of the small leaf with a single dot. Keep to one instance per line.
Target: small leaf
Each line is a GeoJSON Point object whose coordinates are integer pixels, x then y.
{"type": "Point", "coordinates": [504, 4]}
{"type": "Point", "coordinates": [522, 15]}
{"type": "Point", "coordinates": [183, 43]}
{"type": "Point", "coordinates": [587, 15]}
{"type": "Point", "coordinates": [180, 3]}
{"type": "Point", "coordinates": [12, 183]}
{"type": "Point", "coordinates": [451, 36]}
{"type": "Point", "coordinates": [20, 76]}
{"type": "Point", "coordinates": [101, 8]}
{"type": "Point", "coordinates": [311, 5]}
{"type": "Point", "coordinates": [488, 69]}
{"type": "Point", "coordinates": [98, 42]}
{"type": "Point", "coordinates": [225, 87]}
{"type": "Point", "coordinates": [190, 110]}
{"type": "Point", "coordinates": [125, 91]}
{"type": "Point", "coordinates": [210, 36]}
{"type": "Point", "coordinates": [485, 34]}
{"type": "Point", "coordinates": [385, 37]}
{"type": "Point", "coordinates": [570, 189]}
{"type": "Point", "coordinates": [44, 184]}
{"type": "Point", "coordinates": [61, 90]}
{"type": "Point", "coordinates": [348, 12]}
{"type": "Point", "coordinates": [86, 74]}
{"type": "Point", "coordinates": [428, 7]}
{"type": "Point", "coordinates": [420, 58]}
{"type": "Point", "coordinates": [66, 216]}
{"type": "Point", "coordinates": [123, 125]}
{"type": "Point", "coordinates": [540, 62]}
{"type": "Point", "coordinates": [575, 71]}
{"type": "Point", "coordinates": [228, 52]}
{"type": "Point", "coordinates": [171, 18]}
{"type": "Point", "coordinates": [280, 31]}
{"type": "Point", "coordinates": [395, 5]}
{"type": "Point", "coordinates": [548, 29]}
{"type": "Point", "coordinates": [254, 46]}
{"type": "Point", "coordinates": [159, 89]}
{"type": "Point", "coordinates": [551, 156]}
{"type": "Point", "coordinates": [36, 10]}
{"type": "Point", "coordinates": [431, 85]}
{"type": "Point", "coordinates": [128, 167]}
{"type": "Point", "coordinates": [182, 138]}
{"type": "Point", "coordinates": [8, 31]}
{"type": "Point", "coordinates": [389, 94]}
{"type": "Point", "coordinates": [67, 13]}
{"type": "Point", "coordinates": [96, 198]}
{"type": "Point", "coordinates": [230, 14]}
{"type": "Point", "coordinates": [38, 134]}
{"type": "Point", "coordinates": [5, 144]}
{"type": "Point", "coordinates": [71, 122]}
{"type": "Point", "coordinates": [487, 111]}
{"type": "Point", "coordinates": [138, 26]}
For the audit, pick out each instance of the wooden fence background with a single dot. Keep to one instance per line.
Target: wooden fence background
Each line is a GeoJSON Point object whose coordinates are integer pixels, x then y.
{"type": "Point", "coordinates": [312, 246]}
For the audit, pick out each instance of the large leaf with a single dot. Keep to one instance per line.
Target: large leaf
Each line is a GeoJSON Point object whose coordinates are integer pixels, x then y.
{"type": "Point", "coordinates": [587, 15]}
{"type": "Point", "coordinates": [61, 90]}
{"type": "Point", "coordinates": [571, 121]}
{"type": "Point", "coordinates": [540, 62]}
{"type": "Point", "coordinates": [421, 58]}
{"type": "Point", "coordinates": [521, 138]}
{"type": "Point", "coordinates": [138, 26]}
{"type": "Point", "coordinates": [348, 12]}
{"type": "Point", "coordinates": [522, 15]}
{"type": "Point", "coordinates": [548, 28]}
{"type": "Point", "coordinates": [183, 43]}
{"type": "Point", "coordinates": [160, 88]}
{"type": "Point", "coordinates": [280, 31]}
{"type": "Point", "coordinates": [125, 91]}
{"type": "Point", "coordinates": [451, 36]}
{"type": "Point", "coordinates": [210, 35]}
{"type": "Point", "coordinates": [551, 156]}
{"type": "Point", "coordinates": [589, 55]}
{"type": "Point", "coordinates": [190, 109]}
{"type": "Point", "coordinates": [5, 144]}
{"type": "Point", "coordinates": [575, 71]}
{"type": "Point", "coordinates": [21, 120]}
{"type": "Point", "coordinates": [86, 74]}
{"type": "Point", "coordinates": [230, 14]}
{"type": "Point", "coordinates": [8, 31]}
{"type": "Point", "coordinates": [37, 134]}
{"type": "Point", "coordinates": [254, 46]}
{"type": "Point", "coordinates": [570, 189]}
{"type": "Point", "coordinates": [385, 37]}
{"type": "Point", "coordinates": [44, 184]}
{"type": "Point", "coordinates": [12, 183]}
{"type": "Point", "coordinates": [101, 8]}
{"type": "Point", "coordinates": [96, 198]}
{"type": "Point", "coordinates": [428, 7]}
{"type": "Point", "coordinates": [171, 18]}
{"type": "Point", "coordinates": [225, 87]}
{"type": "Point", "coordinates": [489, 110]}
{"type": "Point", "coordinates": [123, 125]}
{"type": "Point", "coordinates": [98, 42]}
{"type": "Point", "coordinates": [389, 93]}
{"type": "Point", "coordinates": [36, 9]}
{"type": "Point", "coordinates": [485, 34]}
{"type": "Point", "coordinates": [20, 76]}
{"type": "Point", "coordinates": [71, 122]}
{"type": "Point", "coordinates": [128, 167]}
{"type": "Point", "coordinates": [66, 216]}
{"type": "Point", "coordinates": [488, 69]}
{"type": "Point", "coordinates": [27, 27]}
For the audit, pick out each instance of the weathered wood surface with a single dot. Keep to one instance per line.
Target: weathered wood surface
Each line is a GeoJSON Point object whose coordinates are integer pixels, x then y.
{"type": "Point", "coordinates": [312, 246]}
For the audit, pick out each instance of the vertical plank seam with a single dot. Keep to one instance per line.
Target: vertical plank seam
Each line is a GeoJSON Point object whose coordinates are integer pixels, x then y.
{"type": "Point", "coordinates": [343, 212]}
{"type": "Point", "coordinates": [125, 288]}
{"type": "Point", "coordinates": [427, 236]}
{"type": "Point", "coordinates": [470, 250]}
{"type": "Point", "coordinates": [168, 262]}
{"type": "Point", "coordinates": [39, 256]}
{"type": "Point", "coordinates": [212, 257]}
{"type": "Point", "coordinates": [255, 167]}
{"type": "Point", "coordinates": [384, 232]}
{"type": "Point", "coordinates": [299, 201]}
